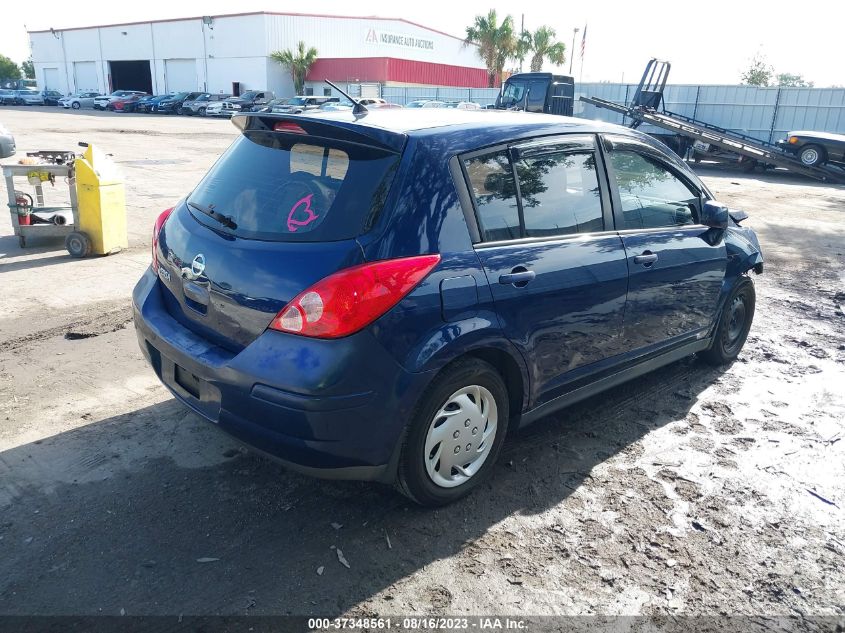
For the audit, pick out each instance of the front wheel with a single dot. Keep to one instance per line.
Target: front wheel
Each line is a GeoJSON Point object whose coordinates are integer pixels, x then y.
{"type": "Point", "coordinates": [455, 434]}
{"type": "Point", "coordinates": [76, 105]}
{"type": "Point", "coordinates": [78, 244]}
{"type": "Point", "coordinates": [812, 155]}
{"type": "Point", "coordinates": [202, 112]}
{"type": "Point", "coordinates": [734, 324]}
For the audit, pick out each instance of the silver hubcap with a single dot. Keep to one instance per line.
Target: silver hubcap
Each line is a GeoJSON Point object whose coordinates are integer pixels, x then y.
{"type": "Point", "coordinates": [809, 156]}
{"type": "Point", "coordinates": [460, 436]}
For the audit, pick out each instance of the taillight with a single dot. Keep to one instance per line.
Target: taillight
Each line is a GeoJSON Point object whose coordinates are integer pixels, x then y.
{"type": "Point", "coordinates": [351, 299]}
{"type": "Point", "coordinates": [160, 220]}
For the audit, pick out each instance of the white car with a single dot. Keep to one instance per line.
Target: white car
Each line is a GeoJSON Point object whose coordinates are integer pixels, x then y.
{"type": "Point", "coordinates": [79, 100]}
{"type": "Point", "coordinates": [101, 102]}
{"type": "Point", "coordinates": [222, 108]}
{"type": "Point", "coordinates": [425, 103]}
{"type": "Point", "coordinates": [462, 105]}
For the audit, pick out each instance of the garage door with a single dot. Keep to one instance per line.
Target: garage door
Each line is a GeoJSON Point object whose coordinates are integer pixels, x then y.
{"type": "Point", "coordinates": [180, 74]}
{"type": "Point", "coordinates": [85, 77]}
{"type": "Point", "coordinates": [51, 79]}
{"type": "Point", "coordinates": [370, 90]}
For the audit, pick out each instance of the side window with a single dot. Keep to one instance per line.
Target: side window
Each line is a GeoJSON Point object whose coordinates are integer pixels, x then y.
{"type": "Point", "coordinates": [652, 196]}
{"type": "Point", "coordinates": [492, 184]}
{"type": "Point", "coordinates": [560, 194]}
{"type": "Point", "coordinates": [537, 96]}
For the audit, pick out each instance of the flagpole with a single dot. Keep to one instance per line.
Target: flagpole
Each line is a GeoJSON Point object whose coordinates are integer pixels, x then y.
{"type": "Point", "coordinates": [572, 50]}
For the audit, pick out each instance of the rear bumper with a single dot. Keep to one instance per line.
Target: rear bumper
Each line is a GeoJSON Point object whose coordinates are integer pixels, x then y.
{"type": "Point", "coordinates": [334, 409]}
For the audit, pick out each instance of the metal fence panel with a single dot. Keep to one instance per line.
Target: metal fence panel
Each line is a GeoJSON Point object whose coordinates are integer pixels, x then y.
{"type": "Point", "coordinates": [763, 113]}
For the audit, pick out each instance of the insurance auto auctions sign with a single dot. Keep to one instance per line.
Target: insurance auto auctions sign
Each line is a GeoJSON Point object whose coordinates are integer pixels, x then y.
{"type": "Point", "coordinates": [403, 40]}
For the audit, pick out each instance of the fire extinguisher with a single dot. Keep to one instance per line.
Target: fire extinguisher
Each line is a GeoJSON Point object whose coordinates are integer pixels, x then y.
{"type": "Point", "coordinates": [24, 204]}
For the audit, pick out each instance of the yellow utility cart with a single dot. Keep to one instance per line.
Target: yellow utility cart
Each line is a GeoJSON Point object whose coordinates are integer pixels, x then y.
{"type": "Point", "coordinates": [94, 223]}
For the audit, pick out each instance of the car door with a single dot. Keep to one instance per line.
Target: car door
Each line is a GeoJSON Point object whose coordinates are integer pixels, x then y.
{"type": "Point", "coordinates": [555, 265]}
{"type": "Point", "coordinates": [676, 267]}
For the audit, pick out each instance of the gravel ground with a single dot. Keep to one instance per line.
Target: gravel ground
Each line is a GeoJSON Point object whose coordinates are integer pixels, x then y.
{"type": "Point", "coordinates": [691, 491]}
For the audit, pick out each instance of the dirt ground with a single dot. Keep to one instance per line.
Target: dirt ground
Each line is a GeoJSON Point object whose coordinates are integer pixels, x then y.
{"type": "Point", "coordinates": [690, 491]}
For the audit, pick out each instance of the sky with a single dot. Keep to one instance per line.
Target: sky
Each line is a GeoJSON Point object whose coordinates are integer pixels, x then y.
{"type": "Point", "coordinates": [708, 42]}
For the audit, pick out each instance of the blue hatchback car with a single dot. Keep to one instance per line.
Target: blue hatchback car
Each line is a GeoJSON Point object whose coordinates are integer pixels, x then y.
{"type": "Point", "coordinates": [385, 296]}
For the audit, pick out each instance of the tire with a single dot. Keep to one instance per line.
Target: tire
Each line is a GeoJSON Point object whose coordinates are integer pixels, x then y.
{"type": "Point", "coordinates": [180, 110]}
{"type": "Point", "coordinates": [423, 476]}
{"type": "Point", "coordinates": [78, 244]}
{"type": "Point", "coordinates": [812, 155]}
{"type": "Point", "coordinates": [76, 105]}
{"type": "Point", "coordinates": [734, 324]}
{"type": "Point", "coordinates": [202, 112]}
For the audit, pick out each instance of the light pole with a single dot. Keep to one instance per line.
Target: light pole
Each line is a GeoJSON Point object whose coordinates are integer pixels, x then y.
{"type": "Point", "coordinates": [572, 50]}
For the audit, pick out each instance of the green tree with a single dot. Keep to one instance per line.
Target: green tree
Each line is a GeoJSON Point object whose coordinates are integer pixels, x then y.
{"type": "Point", "coordinates": [523, 47]}
{"type": "Point", "coordinates": [9, 69]}
{"type": "Point", "coordinates": [545, 47]}
{"type": "Point", "coordinates": [28, 69]}
{"type": "Point", "coordinates": [788, 80]}
{"type": "Point", "coordinates": [298, 62]}
{"type": "Point", "coordinates": [759, 73]}
{"type": "Point", "coordinates": [496, 42]}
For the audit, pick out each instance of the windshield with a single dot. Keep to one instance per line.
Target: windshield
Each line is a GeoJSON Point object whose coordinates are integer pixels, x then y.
{"type": "Point", "coordinates": [248, 95]}
{"type": "Point", "coordinates": [294, 188]}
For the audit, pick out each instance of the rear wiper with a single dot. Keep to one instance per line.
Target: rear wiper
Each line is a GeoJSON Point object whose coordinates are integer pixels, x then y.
{"type": "Point", "coordinates": [225, 220]}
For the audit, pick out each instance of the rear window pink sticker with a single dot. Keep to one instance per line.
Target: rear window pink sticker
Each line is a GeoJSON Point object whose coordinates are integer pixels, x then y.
{"type": "Point", "coordinates": [301, 214]}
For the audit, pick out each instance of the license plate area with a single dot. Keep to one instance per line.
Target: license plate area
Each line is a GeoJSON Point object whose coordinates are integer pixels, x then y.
{"type": "Point", "coordinates": [188, 381]}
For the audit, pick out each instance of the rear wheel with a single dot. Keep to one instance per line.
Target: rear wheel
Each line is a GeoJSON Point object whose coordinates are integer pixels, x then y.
{"type": "Point", "coordinates": [734, 324]}
{"type": "Point", "coordinates": [812, 155]}
{"type": "Point", "coordinates": [455, 435]}
{"type": "Point", "coordinates": [78, 244]}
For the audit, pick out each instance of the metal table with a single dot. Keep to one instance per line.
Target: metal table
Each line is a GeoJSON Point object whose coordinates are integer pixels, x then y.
{"type": "Point", "coordinates": [62, 173]}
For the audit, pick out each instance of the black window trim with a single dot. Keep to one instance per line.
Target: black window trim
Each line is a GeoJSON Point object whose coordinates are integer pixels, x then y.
{"type": "Point", "coordinates": [591, 142]}
{"type": "Point", "coordinates": [610, 142]}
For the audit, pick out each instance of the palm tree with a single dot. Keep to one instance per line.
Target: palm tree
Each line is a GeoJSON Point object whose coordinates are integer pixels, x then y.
{"type": "Point", "coordinates": [496, 42]}
{"type": "Point", "coordinates": [523, 47]}
{"type": "Point", "coordinates": [545, 47]}
{"type": "Point", "coordinates": [297, 62]}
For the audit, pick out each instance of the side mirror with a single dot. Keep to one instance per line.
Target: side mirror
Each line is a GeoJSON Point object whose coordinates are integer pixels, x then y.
{"type": "Point", "coordinates": [714, 215]}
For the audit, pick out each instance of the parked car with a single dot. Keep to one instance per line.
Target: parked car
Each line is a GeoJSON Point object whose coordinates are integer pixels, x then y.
{"type": "Point", "coordinates": [815, 148]}
{"type": "Point", "coordinates": [102, 102]}
{"type": "Point", "coordinates": [79, 100]}
{"type": "Point", "coordinates": [124, 104]}
{"type": "Point", "coordinates": [252, 98]}
{"type": "Point", "coordinates": [221, 108]}
{"type": "Point", "coordinates": [272, 106]}
{"type": "Point", "coordinates": [27, 97]}
{"type": "Point", "coordinates": [148, 103]}
{"type": "Point", "coordinates": [383, 298]}
{"type": "Point", "coordinates": [425, 103]}
{"type": "Point", "coordinates": [346, 104]}
{"type": "Point", "coordinates": [462, 105]}
{"type": "Point", "coordinates": [7, 97]}
{"type": "Point", "coordinates": [298, 105]}
{"type": "Point", "coordinates": [173, 103]}
{"type": "Point", "coordinates": [51, 97]}
{"type": "Point", "coordinates": [7, 142]}
{"type": "Point", "coordinates": [198, 105]}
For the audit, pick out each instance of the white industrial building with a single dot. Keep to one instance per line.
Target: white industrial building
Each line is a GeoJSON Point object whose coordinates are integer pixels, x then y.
{"type": "Point", "coordinates": [210, 53]}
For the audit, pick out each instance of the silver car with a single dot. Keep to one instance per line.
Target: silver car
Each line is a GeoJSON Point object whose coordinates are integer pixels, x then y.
{"type": "Point", "coordinates": [7, 142]}
{"type": "Point", "coordinates": [79, 100]}
{"type": "Point", "coordinates": [28, 97]}
{"type": "Point", "coordinates": [198, 105]}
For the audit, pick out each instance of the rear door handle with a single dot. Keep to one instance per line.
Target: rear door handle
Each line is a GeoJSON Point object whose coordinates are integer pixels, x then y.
{"type": "Point", "coordinates": [646, 259]}
{"type": "Point", "coordinates": [518, 277]}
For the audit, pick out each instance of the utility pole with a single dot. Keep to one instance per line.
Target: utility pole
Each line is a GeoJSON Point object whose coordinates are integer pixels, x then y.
{"type": "Point", "coordinates": [572, 50]}
{"type": "Point", "coordinates": [521, 31]}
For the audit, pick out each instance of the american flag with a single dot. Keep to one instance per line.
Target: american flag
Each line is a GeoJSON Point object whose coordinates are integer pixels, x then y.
{"type": "Point", "coordinates": [584, 41]}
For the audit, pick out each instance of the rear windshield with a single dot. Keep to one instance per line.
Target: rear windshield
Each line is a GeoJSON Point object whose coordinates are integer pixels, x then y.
{"type": "Point", "coordinates": [294, 188]}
